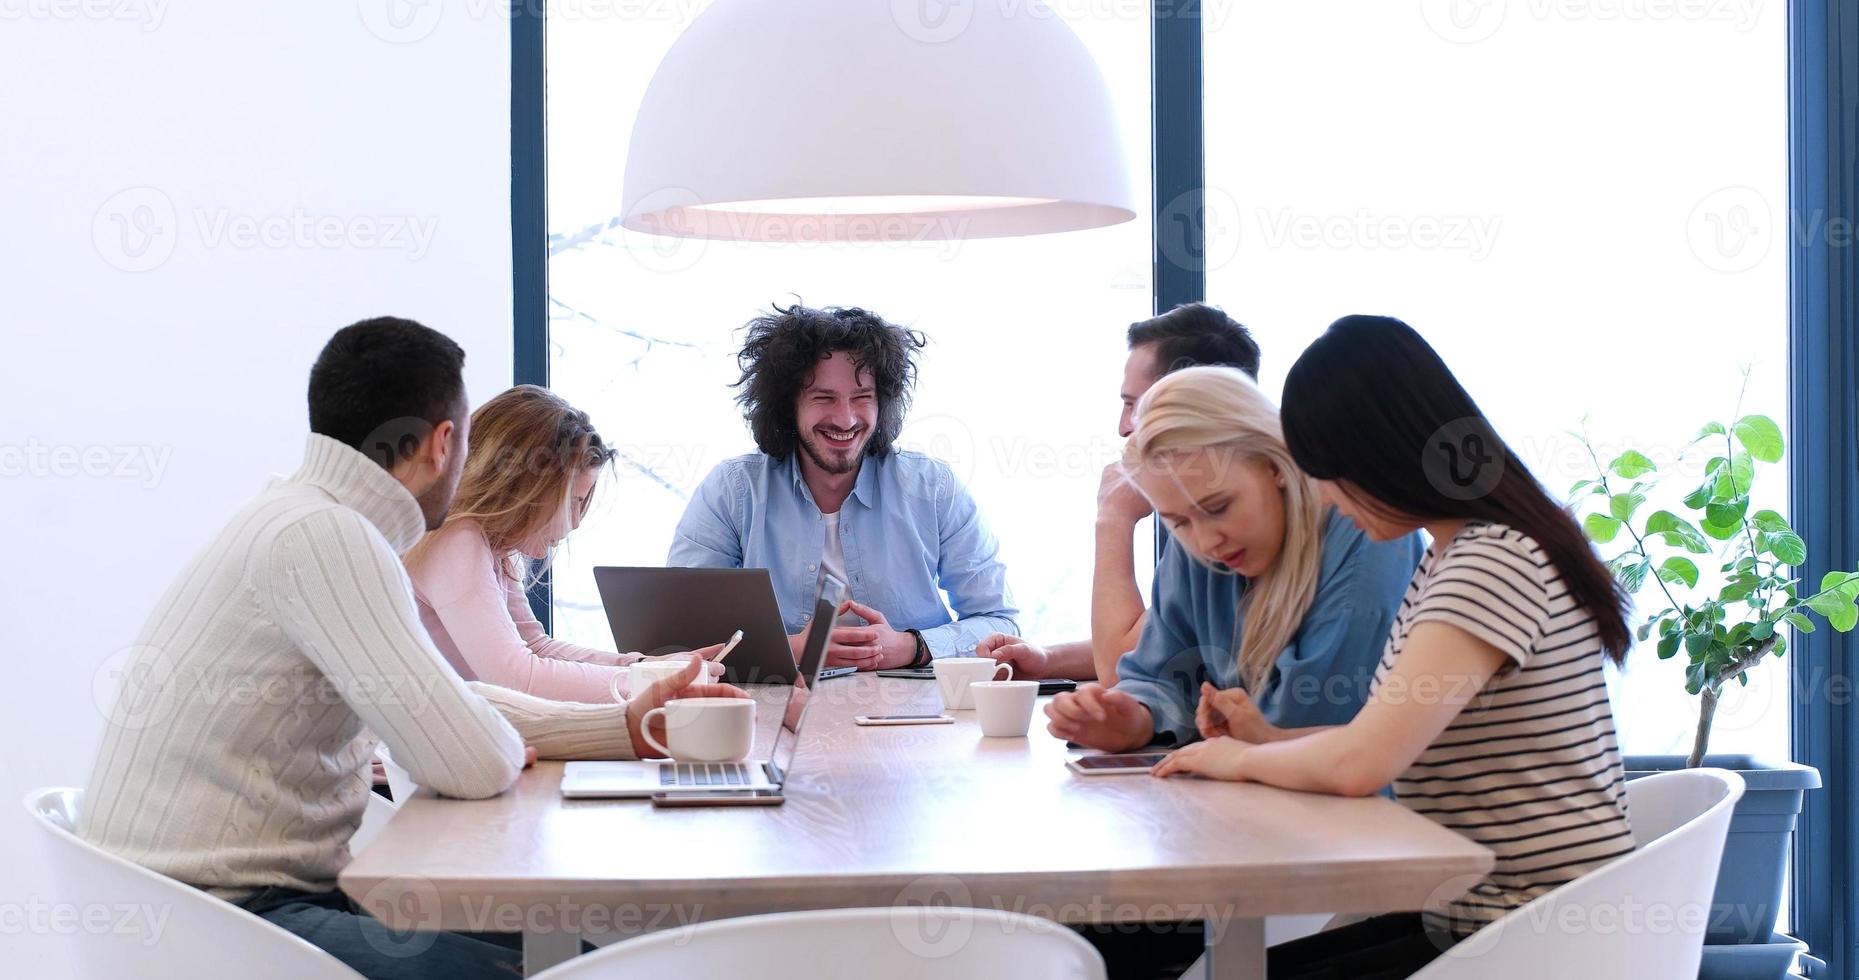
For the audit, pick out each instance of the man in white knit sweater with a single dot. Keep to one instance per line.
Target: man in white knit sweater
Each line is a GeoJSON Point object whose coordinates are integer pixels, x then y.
{"type": "Point", "coordinates": [238, 755]}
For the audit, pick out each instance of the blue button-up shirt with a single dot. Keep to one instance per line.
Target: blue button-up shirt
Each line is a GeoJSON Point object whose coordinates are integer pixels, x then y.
{"type": "Point", "coordinates": [1322, 677]}
{"type": "Point", "coordinates": [909, 530]}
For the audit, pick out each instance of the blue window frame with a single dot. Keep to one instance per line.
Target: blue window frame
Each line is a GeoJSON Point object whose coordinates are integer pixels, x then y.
{"type": "Point", "coordinates": [1823, 97]}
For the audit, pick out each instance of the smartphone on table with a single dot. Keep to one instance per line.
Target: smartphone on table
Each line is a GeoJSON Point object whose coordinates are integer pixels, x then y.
{"type": "Point", "coordinates": [1118, 764]}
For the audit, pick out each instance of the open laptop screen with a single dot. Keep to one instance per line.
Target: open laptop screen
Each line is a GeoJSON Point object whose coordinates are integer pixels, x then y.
{"type": "Point", "coordinates": [812, 657]}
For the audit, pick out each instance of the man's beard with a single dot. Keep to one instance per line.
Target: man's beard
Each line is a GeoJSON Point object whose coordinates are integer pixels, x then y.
{"type": "Point", "coordinates": [837, 468]}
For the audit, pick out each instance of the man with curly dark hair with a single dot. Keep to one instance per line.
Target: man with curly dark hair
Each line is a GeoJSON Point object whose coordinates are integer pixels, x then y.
{"type": "Point", "coordinates": [825, 392]}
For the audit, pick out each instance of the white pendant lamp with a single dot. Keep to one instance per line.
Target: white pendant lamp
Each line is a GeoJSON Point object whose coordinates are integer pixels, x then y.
{"type": "Point", "coordinates": [875, 120]}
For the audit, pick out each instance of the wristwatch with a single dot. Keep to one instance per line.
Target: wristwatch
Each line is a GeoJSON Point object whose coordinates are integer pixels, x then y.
{"type": "Point", "coordinates": [922, 659]}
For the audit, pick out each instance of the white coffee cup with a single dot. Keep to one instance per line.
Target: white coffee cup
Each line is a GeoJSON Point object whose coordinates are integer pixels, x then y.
{"type": "Point", "coordinates": [704, 729]}
{"type": "Point", "coordinates": [632, 681]}
{"type": "Point", "coordinates": [1005, 708]}
{"type": "Point", "coordinates": [954, 674]}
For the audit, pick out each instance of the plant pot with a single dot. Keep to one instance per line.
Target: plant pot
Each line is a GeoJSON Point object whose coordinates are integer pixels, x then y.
{"type": "Point", "coordinates": [1755, 856]}
{"type": "Point", "coordinates": [1751, 961]}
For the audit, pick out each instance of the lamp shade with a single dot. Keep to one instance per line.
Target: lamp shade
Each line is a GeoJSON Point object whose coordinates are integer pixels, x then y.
{"type": "Point", "coordinates": [875, 120]}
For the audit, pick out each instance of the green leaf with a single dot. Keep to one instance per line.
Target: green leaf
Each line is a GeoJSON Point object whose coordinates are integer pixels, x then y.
{"type": "Point", "coordinates": [1601, 528]}
{"type": "Point", "coordinates": [1678, 569]}
{"type": "Point", "coordinates": [1633, 575]}
{"type": "Point", "coordinates": [1676, 531]}
{"type": "Point", "coordinates": [1630, 464]}
{"type": "Point", "coordinates": [1839, 610]}
{"type": "Point", "coordinates": [1728, 513]}
{"type": "Point", "coordinates": [1722, 532]}
{"type": "Point", "coordinates": [1800, 622]}
{"type": "Point", "coordinates": [1698, 645]}
{"type": "Point", "coordinates": [1786, 546]}
{"type": "Point", "coordinates": [1843, 583]}
{"type": "Point", "coordinates": [1761, 436]}
{"type": "Point", "coordinates": [1768, 520]}
{"type": "Point", "coordinates": [1668, 645]}
{"type": "Point", "coordinates": [1710, 429]}
{"type": "Point", "coordinates": [1622, 505]}
{"type": "Point", "coordinates": [1696, 499]}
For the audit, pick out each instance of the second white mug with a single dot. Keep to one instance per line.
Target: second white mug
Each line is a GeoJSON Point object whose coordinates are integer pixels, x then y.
{"type": "Point", "coordinates": [954, 674]}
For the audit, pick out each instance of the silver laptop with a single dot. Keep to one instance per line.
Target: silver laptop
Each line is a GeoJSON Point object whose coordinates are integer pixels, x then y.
{"type": "Point", "coordinates": [644, 778]}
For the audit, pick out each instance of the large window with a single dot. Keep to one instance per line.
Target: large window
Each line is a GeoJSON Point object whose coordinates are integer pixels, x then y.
{"type": "Point", "coordinates": [1018, 387]}
{"type": "Point", "coordinates": [1580, 206]}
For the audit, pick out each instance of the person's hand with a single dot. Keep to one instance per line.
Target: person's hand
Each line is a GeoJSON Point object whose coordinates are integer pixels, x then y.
{"type": "Point", "coordinates": [529, 756]}
{"type": "Point", "coordinates": [1101, 718]}
{"type": "Point", "coordinates": [1216, 758]}
{"type": "Point", "coordinates": [797, 642]}
{"type": "Point", "coordinates": [1118, 500]}
{"type": "Point", "coordinates": [712, 671]}
{"type": "Point", "coordinates": [1029, 659]}
{"type": "Point", "coordinates": [1231, 712]}
{"type": "Point", "coordinates": [681, 685]}
{"type": "Point", "coordinates": [874, 646]}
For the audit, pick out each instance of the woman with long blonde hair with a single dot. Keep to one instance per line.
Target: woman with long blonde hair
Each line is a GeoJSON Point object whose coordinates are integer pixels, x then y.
{"type": "Point", "coordinates": [529, 479]}
{"type": "Point", "coordinates": [1263, 594]}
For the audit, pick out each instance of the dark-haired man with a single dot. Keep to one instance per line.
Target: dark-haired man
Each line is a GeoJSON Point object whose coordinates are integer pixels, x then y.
{"type": "Point", "coordinates": [238, 753]}
{"type": "Point", "coordinates": [824, 392]}
{"type": "Point", "coordinates": [1188, 335]}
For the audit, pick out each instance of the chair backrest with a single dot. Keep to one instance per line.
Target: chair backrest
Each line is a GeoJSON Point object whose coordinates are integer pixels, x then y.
{"type": "Point", "coordinates": [1641, 915]}
{"type": "Point", "coordinates": [903, 943]}
{"type": "Point", "coordinates": [133, 922]}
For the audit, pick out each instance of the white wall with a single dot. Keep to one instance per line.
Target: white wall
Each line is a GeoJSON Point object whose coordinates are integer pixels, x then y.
{"type": "Point", "coordinates": [303, 172]}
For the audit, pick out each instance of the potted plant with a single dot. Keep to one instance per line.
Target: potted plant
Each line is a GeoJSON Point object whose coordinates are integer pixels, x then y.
{"type": "Point", "coordinates": [1722, 576]}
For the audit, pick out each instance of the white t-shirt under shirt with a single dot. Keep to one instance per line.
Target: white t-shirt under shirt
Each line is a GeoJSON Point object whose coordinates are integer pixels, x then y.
{"type": "Point", "coordinates": [1531, 767]}
{"type": "Point", "coordinates": [833, 559]}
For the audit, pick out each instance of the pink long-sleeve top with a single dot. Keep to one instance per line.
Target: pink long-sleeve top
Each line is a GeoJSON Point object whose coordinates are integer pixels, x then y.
{"type": "Point", "coordinates": [480, 620]}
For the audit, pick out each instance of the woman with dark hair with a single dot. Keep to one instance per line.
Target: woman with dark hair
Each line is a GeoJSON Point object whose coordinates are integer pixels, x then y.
{"type": "Point", "coordinates": [1490, 712]}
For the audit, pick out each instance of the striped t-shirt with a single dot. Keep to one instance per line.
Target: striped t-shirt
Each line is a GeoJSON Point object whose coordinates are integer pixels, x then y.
{"type": "Point", "coordinates": [1530, 768]}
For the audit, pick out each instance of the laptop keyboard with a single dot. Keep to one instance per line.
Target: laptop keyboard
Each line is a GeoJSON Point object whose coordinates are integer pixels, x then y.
{"type": "Point", "coordinates": [704, 774]}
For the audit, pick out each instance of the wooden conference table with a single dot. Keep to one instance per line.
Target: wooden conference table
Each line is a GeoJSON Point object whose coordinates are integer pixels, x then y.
{"type": "Point", "coordinates": [931, 814]}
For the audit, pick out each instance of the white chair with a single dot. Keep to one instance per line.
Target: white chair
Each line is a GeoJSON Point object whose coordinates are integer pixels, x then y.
{"type": "Point", "coordinates": [907, 943]}
{"type": "Point", "coordinates": [159, 928]}
{"type": "Point", "coordinates": [1640, 916]}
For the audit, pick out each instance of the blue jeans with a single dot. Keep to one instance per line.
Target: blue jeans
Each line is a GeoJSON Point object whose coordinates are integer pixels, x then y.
{"type": "Point", "coordinates": [332, 923]}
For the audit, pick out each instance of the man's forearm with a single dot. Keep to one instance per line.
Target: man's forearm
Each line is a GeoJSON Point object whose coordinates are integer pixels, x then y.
{"type": "Point", "coordinates": [1073, 660]}
{"type": "Point", "coordinates": [1116, 603]}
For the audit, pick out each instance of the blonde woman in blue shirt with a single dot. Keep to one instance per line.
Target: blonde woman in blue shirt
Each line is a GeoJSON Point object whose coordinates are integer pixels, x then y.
{"type": "Point", "coordinates": [1271, 594]}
